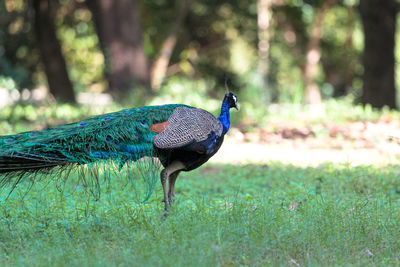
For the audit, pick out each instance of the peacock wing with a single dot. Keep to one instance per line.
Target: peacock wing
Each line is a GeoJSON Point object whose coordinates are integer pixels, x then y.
{"type": "Point", "coordinates": [188, 126]}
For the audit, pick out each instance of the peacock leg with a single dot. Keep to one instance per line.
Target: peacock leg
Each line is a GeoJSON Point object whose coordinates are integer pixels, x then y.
{"type": "Point", "coordinates": [175, 166]}
{"type": "Point", "coordinates": [171, 185]}
{"type": "Point", "coordinates": [163, 177]}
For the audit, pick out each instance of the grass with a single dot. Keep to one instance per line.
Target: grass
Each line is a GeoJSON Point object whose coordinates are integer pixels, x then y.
{"type": "Point", "coordinates": [225, 215]}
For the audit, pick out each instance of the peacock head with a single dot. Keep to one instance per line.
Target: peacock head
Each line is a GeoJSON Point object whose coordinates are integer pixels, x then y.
{"type": "Point", "coordinates": [230, 98]}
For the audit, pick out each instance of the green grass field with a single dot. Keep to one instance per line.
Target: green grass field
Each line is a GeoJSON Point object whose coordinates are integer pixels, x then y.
{"type": "Point", "coordinates": [224, 215]}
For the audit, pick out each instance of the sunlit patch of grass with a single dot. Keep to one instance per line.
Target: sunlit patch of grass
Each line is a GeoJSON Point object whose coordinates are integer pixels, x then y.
{"type": "Point", "coordinates": [253, 215]}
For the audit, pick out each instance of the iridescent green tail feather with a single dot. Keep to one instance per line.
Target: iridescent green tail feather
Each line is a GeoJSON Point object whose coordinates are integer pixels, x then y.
{"type": "Point", "coordinates": [121, 137]}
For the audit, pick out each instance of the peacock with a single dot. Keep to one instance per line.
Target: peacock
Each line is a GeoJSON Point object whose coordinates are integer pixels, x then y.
{"type": "Point", "coordinates": [180, 136]}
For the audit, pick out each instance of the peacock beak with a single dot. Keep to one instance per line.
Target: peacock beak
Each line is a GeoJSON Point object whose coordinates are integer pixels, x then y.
{"type": "Point", "coordinates": [237, 106]}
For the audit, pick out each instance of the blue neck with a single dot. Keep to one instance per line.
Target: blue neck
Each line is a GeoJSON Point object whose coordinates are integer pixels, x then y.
{"type": "Point", "coordinates": [224, 118]}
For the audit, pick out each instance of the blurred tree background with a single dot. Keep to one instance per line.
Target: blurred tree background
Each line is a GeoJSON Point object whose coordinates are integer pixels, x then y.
{"type": "Point", "coordinates": [302, 52]}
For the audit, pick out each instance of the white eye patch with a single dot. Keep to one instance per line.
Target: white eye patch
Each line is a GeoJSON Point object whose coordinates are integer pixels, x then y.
{"type": "Point", "coordinates": [234, 98]}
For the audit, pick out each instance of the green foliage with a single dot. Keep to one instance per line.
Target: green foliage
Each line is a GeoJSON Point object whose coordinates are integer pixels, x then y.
{"type": "Point", "coordinates": [196, 93]}
{"type": "Point", "coordinates": [25, 116]}
{"type": "Point", "coordinates": [82, 50]}
{"type": "Point", "coordinates": [334, 110]}
{"type": "Point", "coordinates": [252, 215]}
{"type": "Point", "coordinates": [18, 57]}
{"type": "Point", "coordinates": [8, 83]}
{"type": "Point", "coordinates": [217, 39]}
{"type": "Point", "coordinates": [12, 77]}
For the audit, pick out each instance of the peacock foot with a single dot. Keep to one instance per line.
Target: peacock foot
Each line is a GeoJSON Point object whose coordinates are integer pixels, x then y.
{"type": "Point", "coordinates": [171, 198]}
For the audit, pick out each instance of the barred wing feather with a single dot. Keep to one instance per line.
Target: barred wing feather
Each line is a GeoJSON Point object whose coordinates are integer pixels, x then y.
{"type": "Point", "coordinates": [188, 125]}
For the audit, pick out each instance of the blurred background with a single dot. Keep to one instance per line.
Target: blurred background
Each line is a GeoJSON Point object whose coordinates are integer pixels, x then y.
{"type": "Point", "coordinates": [309, 74]}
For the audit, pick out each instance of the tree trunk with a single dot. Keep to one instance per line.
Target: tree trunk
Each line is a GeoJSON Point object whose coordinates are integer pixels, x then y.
{"type": "Point", "coordinates": [160, 66]}
{"type": "Point", "coordinates": [118, 28]}
{"type": "Point", "coordinates": [379, 21]}
{"type": "Point", "coordinates": [313, 54]}
{"type": "Point", "coordinates": [54, 64]}
{"type": "Point", "coordinates": [263, 22]}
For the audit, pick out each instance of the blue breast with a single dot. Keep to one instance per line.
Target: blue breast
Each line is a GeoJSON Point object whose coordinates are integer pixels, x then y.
{"type": "Point", "coordinates": [224, 118]}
